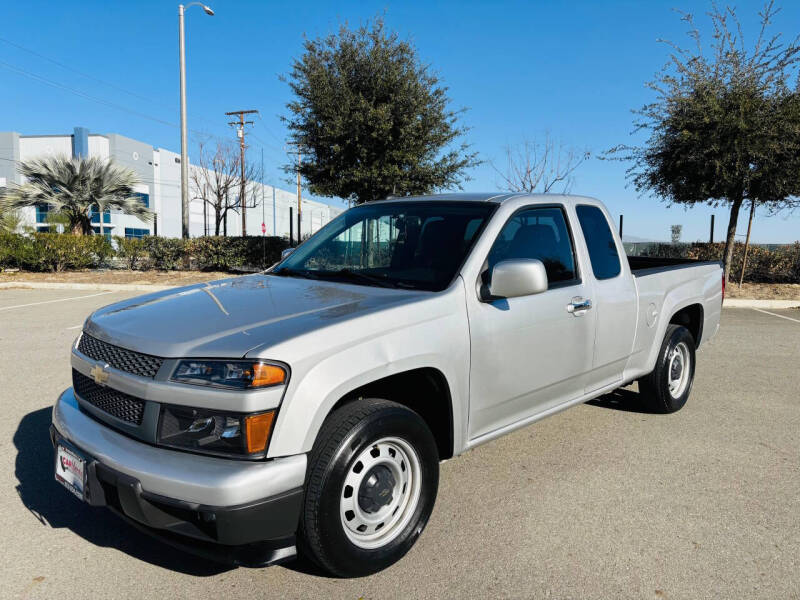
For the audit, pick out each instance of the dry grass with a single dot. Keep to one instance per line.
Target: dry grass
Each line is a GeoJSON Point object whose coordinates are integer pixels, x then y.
{"type": "Point", "coordinates": [764, 291]}
{"type": "Point", "coordinates": [117, 276]}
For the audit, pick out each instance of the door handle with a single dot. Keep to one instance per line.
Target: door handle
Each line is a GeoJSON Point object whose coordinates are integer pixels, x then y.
{"type": "Point", "coordinates": [579, 306]}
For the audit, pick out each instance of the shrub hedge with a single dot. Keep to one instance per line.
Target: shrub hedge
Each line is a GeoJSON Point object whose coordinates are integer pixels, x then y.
{"type": "Point", "coordinates": [59, 252]}
{"type": "Point", "coordinates": [53, 251]}
{"type": "Point", "coordinates": [781, 265]}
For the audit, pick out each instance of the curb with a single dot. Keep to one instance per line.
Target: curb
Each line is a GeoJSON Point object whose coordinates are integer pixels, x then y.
{"type": "Point", "coordinates": [105, 287]}
{"type": "Point", "coordinates": [751, 303]}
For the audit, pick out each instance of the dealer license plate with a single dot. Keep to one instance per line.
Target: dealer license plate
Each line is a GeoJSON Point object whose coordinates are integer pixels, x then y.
{"type": "Point", "coordinates": [70, 470]}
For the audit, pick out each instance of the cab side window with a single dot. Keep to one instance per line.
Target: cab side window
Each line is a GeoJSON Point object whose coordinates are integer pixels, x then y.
{"type": "Point", "coordinates": [538, 233]}
{"type": "Point", "coordinates": [600, 242]}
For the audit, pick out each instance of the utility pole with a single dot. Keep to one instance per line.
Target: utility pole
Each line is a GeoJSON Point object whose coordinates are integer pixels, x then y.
{"type": "Point", "coordinates": [299, 195]}
{"type": "Point", "coordinates": [299, 198]}
{"type": "Point", "coordinates": [205, 211]}
{"type": "Point", "coordinates": [184, 143]}
{"type": "Point", "coordinates": [263, 223]}
{"type": "Point", "coordinates": [240, 124]}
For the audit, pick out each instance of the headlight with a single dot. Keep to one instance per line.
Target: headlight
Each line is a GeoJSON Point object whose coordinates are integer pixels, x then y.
{"type": "Point", "coordinates": [234, 374]}
{"type": "Point", "coordinates": [215, 432]}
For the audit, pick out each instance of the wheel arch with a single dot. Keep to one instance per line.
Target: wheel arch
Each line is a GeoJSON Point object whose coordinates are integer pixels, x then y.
{"type": "Point", "coordinates": [691, 317]}
{"type": "Point", "coordinates": [424, 390]}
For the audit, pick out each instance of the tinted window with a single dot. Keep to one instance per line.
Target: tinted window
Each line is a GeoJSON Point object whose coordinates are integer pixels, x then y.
{"type": "Point", "coordinates": [600, 241]}
{"type": "Point", "coordinates": [134, 232]}
{"type": "Point", "coordinates": [537, 233]}
{"type": "Point", "coordinates": [41, 212]}
{"type": "Point", "coordinates": [95, 214]}
{"type": "Point", "coordinates": [418, 245]}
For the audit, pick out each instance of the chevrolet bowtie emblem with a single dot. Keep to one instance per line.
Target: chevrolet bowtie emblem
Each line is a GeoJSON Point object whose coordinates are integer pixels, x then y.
{"type": "Point", "coordinates": [99, 375]}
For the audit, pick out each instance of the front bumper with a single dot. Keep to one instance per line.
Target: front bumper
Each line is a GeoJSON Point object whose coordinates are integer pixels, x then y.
{"type": "Point", "coordinates": [240, 512]}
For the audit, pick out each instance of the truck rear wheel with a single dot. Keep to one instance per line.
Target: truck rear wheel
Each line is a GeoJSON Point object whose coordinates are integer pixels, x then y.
{"type": "Point", "coordinates": [372, 480]}
{"type": "Point", "coordinates": [667, 387]}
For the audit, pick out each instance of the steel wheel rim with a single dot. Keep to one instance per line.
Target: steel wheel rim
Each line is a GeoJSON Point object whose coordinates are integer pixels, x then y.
{"type": "Point", "coordinates": [372, 530]}
{"type": "Point", "coordinates": [678, 369]}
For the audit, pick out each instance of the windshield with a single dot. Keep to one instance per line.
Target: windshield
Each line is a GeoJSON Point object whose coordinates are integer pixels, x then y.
{"type": "Point", "coordinates": [413, 245]}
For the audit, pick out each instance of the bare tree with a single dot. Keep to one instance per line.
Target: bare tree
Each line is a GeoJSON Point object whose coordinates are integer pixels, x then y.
{"type": "Point", "coordinates": [541, 166]}
{"type": "Point", "coordinates": [217, 181]}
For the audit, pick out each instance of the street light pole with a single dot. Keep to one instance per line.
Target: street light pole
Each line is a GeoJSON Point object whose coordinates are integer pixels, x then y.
{"type": "Point", "coordinates": [184, 144]}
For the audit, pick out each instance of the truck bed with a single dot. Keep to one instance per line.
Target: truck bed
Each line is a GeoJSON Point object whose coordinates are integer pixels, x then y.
{"type": "Point", "coordinates": [644, 265]}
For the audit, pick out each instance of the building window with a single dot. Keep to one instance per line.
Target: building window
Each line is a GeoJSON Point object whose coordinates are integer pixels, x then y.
{"type": "Point", "coordinates": [41, 212]}
{"type": "Point", "coordinates": [134, 232]}
{"type": "Point", "coordinates": [94, 213]}
{"type": "Point", "coordinates": [106, 233]}
{"type": "Point", "coordinates": [143, 198]}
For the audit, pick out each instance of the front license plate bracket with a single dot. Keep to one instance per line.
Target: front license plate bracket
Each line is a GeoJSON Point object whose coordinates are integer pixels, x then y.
{"type": "Point", "coordinates": [70, 470]}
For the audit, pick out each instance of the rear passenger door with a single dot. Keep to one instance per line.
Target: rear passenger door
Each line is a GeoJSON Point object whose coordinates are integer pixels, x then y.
{"type": "Point", "coordinates": [614, 297]}
{"type": "Point", "coordinates": [530, 353]}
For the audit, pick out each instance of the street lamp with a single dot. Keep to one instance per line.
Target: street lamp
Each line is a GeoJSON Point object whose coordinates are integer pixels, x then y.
{"type": "Point", "coordinates": [184, 151]}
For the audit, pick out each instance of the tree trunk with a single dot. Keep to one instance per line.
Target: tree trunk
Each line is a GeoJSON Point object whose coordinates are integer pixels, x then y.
{"type": "Point", "coordinates": [729, 238]}
{"type": "Point", "coordinates": [747, 240]}
{"type": "Point", "coordinates": [217, 220]}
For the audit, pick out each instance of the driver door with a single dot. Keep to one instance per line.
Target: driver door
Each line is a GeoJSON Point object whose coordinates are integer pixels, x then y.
{"type": "Point", "coordinates": [530, 353]}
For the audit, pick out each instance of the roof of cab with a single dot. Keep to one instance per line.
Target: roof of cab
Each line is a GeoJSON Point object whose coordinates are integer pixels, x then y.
{"type": "Point", "coordinates": [497, 197]}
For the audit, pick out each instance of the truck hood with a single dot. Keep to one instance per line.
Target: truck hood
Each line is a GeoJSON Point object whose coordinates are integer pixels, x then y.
{"type": "Point", "coordinates": [230, 317]}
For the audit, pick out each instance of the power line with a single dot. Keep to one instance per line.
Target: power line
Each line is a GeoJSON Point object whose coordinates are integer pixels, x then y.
{"type": "Point", "coordinates": [83, 94]}
{"type": "Point", "coordinates": [74, 70]}
{"type": "Point", "coordinates": [268, 130]}
{"type": "Point", "coordinates": [90, 77]}
{"type": "Point", "coordinates": [102, 101]}
{"type": "Point", "coordinates": [265, 144]}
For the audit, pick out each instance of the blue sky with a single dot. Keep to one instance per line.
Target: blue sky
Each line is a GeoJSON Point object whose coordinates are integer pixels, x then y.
{"type": "Point", "coordinates": [573, 68]}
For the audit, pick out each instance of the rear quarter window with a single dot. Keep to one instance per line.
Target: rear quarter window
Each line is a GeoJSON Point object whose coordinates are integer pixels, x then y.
{"type": "Point", "coordinates": [600, 242]}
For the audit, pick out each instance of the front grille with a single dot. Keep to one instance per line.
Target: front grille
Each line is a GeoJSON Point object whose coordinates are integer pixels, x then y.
{"type": "Point", "coordinates": [129, 361]}
{"type": "Point", "coordinates": [113, 402]}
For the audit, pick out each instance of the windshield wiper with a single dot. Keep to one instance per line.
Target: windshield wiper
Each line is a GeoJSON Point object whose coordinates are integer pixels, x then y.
{"type": "Point", "coordinates": [287, 272]}
{"type": "Point", "coordinates": [359, 276]}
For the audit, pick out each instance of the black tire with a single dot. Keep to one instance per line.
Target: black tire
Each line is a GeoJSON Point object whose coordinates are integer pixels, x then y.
{"type": "Point", "coordinates": [654, 388]}
{"type": "Point", "coordinates": [346, 435]}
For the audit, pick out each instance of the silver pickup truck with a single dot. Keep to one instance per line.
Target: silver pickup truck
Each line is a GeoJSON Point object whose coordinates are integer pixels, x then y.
{"type": "Point", "coordinates": [310, 406]}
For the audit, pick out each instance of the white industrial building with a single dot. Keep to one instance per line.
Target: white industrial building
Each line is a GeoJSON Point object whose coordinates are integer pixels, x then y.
{"type": "Point", "coordinates": [159, 173]}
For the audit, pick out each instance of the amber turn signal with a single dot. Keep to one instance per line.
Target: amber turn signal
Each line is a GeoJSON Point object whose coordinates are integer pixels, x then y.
{"type": "Point", "coordinates": [264, 374]}
{"type": "Point", "coordinates": [257, 430]}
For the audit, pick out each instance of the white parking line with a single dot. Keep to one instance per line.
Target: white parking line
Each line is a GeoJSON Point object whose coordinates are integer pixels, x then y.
{"type": "Point", "coordinates": [51, 301]}
{"type": "Point", "coordinates": [75, 327]}
{"type": "Point", "coordinates": [766, 312]}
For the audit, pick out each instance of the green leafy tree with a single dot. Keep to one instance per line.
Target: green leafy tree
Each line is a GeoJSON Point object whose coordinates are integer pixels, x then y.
{"type": "Point", "coordinates": [725, 126]}
{"type": "Point", "coordinates": [371, 119]}
{"type": "Point", "coordinates": [73, 187]}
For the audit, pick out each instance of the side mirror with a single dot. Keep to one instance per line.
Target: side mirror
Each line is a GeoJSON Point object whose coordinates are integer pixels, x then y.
{"type": "Point", "coordinates": [286, 252]}
{"type": "Point", "coordinates": [517, 277]}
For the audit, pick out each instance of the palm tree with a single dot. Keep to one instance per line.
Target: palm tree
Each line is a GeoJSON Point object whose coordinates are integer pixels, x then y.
{"type": "Point", "coordinates": [10, 221]}
{"type": "Point", "coordinates": [74, 187]}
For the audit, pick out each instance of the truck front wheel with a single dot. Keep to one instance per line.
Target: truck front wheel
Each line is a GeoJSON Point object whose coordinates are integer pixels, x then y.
{"type": "Point", "coordinates": [372, 480]}
{"type": "Point", "coordinates": [667, 388]}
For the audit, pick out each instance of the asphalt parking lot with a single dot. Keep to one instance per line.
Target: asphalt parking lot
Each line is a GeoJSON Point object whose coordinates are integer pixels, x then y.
{"type": "Point", "coordinates": [601, 501]}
